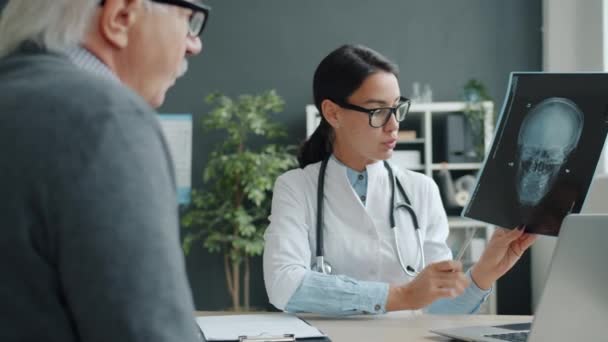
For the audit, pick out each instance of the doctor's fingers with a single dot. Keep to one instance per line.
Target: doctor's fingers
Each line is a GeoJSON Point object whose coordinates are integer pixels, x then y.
{"type": "Point", "coordinates": [510, 234]}
{"type": "Point", "coordinates": [437, 280]}
{"type": "Point", "coordinates": [459, 277]}
{"type": "Point", "coordinates": [523, 243]}
{"type": "Point", "coordinates": [504, 237]}
{"type": "Point", "coordinates": [447, 266]}
{"type": "Point", "coordinates": [448, 288]}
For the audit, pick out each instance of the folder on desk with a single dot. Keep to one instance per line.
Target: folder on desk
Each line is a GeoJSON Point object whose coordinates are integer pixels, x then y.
{"type": "Point", "coordinates": [273, 327]}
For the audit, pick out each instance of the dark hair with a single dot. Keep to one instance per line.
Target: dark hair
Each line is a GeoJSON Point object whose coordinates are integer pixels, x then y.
{"type": "Point", "coordinates": [339, 75]}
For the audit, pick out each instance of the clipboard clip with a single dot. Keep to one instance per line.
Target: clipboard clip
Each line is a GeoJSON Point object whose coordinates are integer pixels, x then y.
{"type": "Point", "coordinates": [268, 338]}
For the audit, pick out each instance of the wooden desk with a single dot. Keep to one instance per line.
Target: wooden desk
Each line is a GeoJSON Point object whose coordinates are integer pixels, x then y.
{"type": "Point", "coordinates": [395, 326]}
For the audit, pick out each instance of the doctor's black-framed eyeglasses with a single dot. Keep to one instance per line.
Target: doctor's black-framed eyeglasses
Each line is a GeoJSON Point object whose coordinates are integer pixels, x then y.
{"type": "Point", "coordinates": [378, 117]}
{"type": "Point", "coordinates": [198, 19]}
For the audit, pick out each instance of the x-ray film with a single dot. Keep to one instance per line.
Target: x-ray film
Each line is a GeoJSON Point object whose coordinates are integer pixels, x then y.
{"type": "Point", "coordinates": [547, 144]}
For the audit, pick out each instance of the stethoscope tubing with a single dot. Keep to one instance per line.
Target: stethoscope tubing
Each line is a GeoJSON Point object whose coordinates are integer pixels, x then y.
{"type": "Point", "coordinates": [323, 267]}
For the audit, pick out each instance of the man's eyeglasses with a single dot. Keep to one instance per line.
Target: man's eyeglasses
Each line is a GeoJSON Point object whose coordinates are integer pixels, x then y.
{"type": "Point", "coordinates": [198, 19]}
{"type": "Point", "coordinates": [378, 117]}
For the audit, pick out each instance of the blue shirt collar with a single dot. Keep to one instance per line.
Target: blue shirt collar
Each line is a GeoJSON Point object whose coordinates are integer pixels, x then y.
{"type": "Point", "coordinates": [358, 180]}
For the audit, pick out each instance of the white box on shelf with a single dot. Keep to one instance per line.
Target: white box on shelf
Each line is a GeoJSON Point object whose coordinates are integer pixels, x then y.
{"type": "Point", "coordinates": [406, 159]}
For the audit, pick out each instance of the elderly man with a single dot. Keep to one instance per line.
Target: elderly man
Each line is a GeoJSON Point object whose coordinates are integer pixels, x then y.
{"type": "Point", "coordinates": [90, 244]}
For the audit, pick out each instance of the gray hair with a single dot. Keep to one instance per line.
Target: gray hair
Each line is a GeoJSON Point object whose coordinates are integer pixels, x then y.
{"type": "Point", "coordinates": [54, 24]}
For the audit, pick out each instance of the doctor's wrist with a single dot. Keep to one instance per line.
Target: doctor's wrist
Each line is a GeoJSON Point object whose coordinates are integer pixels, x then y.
{"type": "Point", "coordinates": [397, 299]}
{"type": "Point", "coordinates": [393, 300]}
{"type": "Point", "coordinates": [481, 278]}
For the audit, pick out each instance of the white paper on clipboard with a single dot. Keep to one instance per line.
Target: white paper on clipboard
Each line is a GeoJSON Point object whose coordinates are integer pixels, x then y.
{"type": "Point", "coordinates": [230, 327]}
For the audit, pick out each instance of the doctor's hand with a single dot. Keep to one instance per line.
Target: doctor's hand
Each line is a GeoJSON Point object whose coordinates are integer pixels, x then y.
{"type": "Point", "coordinates": [439, 280]}
{"type": "Point", "coordinates": [502, 252]}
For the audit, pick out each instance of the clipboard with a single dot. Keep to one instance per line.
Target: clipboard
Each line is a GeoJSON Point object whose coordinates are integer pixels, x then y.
{"type": "Point", "coordinates": [279, 338]}
{"type": "Point", "coordinates": [263, 337]}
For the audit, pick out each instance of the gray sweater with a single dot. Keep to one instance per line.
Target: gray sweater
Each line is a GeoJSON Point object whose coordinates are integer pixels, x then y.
{"type": "Point", "coordinates": [89, 246]}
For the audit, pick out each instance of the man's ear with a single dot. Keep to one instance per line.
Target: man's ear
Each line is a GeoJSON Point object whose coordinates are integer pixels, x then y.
{"type": "Point", "coordinates": [117, 17]}
{"type": "Point", "coordinates": [331, 112]}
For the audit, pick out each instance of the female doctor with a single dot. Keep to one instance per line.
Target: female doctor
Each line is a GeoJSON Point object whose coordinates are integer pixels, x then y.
{"type": "Point", "coordinates": [350, 233]}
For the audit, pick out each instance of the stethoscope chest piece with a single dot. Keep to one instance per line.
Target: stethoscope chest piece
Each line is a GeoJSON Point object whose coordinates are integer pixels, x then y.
{"type": "Point", "coordinates": [322, 266]}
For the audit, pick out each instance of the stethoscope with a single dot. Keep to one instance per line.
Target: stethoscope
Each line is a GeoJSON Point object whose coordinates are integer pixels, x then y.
{"type": "Point", "coordinates": [324, 267]}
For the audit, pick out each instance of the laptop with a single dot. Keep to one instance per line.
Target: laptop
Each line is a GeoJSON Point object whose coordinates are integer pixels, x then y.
{"type": "Point", "coordinates": [574, 303]}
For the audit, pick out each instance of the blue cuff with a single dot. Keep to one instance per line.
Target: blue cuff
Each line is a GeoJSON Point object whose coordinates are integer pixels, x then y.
{"type": "Point", "coordinates": [475, 290]}
{"type": "Point", "coordinates": [338, 295]}
{"type": "Point", "coordinates": [374, 297]}
{"type": "Point", "coordinates": [467, 303]}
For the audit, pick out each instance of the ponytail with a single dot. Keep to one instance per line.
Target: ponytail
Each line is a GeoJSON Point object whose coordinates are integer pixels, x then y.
{"type": "Point", "coordinates": [318, 146]}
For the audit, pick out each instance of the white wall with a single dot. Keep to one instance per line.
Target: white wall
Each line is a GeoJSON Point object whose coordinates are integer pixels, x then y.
{"type": "Point", "coordinates": [573, 40]}
{"type": "Point", "coordinates": [572, 35]}
{"type": "Point", "coordinates": [605, 51]}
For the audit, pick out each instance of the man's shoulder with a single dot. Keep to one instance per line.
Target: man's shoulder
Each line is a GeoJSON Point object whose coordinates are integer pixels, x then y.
{"type": "Point", "coordinates": [52, 105]}
{"type": "Point", "coordinates": [58, 84]}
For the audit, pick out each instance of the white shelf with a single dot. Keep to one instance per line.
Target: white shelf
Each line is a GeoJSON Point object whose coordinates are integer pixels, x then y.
{"type": "Point", "coordinates": [416, 168]}
{"type": "Point", "coordinates": [412, 141]}
{"type": "Point", "coordinates": [444, 107]}
{"type": "Point", "coordinates": [456, 166]}
{"type": "Point", "coordinates": [461, 222]}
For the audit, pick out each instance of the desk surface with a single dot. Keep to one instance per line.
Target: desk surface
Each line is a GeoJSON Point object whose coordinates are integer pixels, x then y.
{"type": "Point", "coordinates": [395, 326]}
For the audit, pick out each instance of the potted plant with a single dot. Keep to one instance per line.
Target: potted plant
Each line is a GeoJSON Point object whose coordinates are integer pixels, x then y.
{"type": "Point", "coordinates": [475, 94]}
{"type": "Point", "coordinates": [231, 214]}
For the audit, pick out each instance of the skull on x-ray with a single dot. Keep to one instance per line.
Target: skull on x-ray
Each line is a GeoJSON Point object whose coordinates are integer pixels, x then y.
{"type": "Point", "coordinates": [549, 132]}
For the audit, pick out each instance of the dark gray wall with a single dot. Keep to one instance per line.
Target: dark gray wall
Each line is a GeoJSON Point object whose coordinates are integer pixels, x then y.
{"type": "Point", "coordinates": [254, 45]}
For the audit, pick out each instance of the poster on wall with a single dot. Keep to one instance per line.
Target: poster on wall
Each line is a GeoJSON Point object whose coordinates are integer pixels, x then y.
{"type": "Point", "coordinates": [177, 129]}
{"type": "Point", "coordinates": [546, 148]}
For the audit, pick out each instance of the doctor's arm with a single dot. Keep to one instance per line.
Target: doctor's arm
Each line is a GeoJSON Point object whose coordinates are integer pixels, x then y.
{"type": "Point", "coordinates": [290, 283]}
{"type": "Point", "coordinates": [504, 250]}
{"type": "Point", "coordinates": [292, 286]}
{"type": "Point", "coordinates": [465, 300]}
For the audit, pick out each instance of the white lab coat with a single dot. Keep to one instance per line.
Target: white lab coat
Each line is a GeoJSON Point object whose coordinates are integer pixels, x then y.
{"type": "Point", "coordinates": [358, 241]}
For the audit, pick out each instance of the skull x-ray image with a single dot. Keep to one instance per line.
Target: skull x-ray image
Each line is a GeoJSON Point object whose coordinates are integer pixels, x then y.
{"type": "Point", "coordinates": [547, 144]}
{"type": "Point", "coordinates": [547, 136]}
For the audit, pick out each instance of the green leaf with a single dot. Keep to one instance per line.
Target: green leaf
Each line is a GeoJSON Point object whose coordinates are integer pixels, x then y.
{"type": "Point", "coordinates": [229, 213]}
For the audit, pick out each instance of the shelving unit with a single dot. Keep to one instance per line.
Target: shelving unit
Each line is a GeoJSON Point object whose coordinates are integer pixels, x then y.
{"type": "Point", "coordinates": [457, 166]}
{"type": "Point", "coordinates": [420, 119]}
{"type": "Point", "coordinates": [428, 111]}
{"type": "Point", "coordinates": [413, 141]}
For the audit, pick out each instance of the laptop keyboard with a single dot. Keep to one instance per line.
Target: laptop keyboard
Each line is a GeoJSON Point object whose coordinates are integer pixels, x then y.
{"type": "Point", "coordinates": [513, 337]}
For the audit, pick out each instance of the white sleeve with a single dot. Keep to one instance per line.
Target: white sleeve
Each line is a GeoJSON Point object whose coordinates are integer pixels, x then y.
{"type": "Point", "coordinates": [436, 231]}
{"type": "Point", "coordinates": [287, 252]}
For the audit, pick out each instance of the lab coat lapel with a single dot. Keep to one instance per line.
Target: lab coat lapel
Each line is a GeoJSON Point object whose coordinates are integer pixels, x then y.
{"type": "Point", "coordinates": [380, 208]}
{"type": "Point", "coordinates": [378, 195]}
{"type": "Point", "coordinates": [351, 236]}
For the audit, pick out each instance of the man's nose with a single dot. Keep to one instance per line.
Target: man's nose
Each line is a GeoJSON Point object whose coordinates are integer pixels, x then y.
{"type": "Point", "coordinates": [194, 45]}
